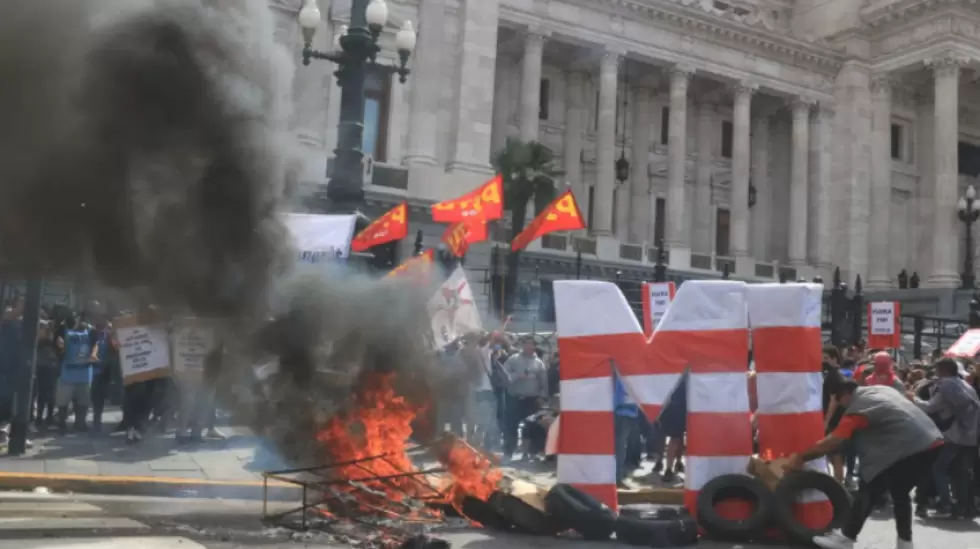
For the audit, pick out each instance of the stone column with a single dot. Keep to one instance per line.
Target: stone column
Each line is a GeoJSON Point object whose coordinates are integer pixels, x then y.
{"type": "Point", "coordinates": [701, 223]}
{"type": "Point", "coordinates": [945, 236]}
{"type": "Point", "coordinates": [879, 276]}
{"type": "Point", "coordinates": [639, 191]}
{"type": "Point", "coordinates": [799, 184]}
{"type": "Point", "coordinates": [469, 163]}
{"type": "Point", "coordinates": [741, 136]}
{"type": "Point", "coordinates": [762, 211]}
{"type": "Point", "coordinates": [820, 156]}
{"type": "Point", "coordinates": [680, 77]}
{"type": "Point", "coordinates": [426, 96]}
{"type": "Point", "coordinates": [574, 129]}
{"type": "Point", "coordinates": [531, 85]}
{"type": "Point", "coordinates": [606, 145]}
{"type": "Point", "coordinates": [501, 105]}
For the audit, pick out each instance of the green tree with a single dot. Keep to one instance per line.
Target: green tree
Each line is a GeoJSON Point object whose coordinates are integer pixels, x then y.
{"type": "Point", "coordinates": [530, 176]}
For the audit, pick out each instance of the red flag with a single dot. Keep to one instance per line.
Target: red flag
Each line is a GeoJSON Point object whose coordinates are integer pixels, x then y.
{"type": "Point", "coordinates": [416, 267]}
{"type": "Point", "coordinates": [485, 202]}
{"type": "Point", "coordinates": [391, 226]}
{"type": "Point", "coordinates": [455, 238]}
{"type": "Point", "coordinates": [561, 215]}
{"type": "Point", "coordinates": [476, 231]}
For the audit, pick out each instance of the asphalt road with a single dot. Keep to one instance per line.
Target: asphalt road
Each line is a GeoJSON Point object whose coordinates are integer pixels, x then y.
{"type": "Point", "coordinates": [54, 521]}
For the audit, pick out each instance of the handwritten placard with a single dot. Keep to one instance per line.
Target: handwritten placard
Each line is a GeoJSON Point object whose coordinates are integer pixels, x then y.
{"type": "Point", "coordinates": [193, 339]}
{"type": "Point", "coordinates": [883, 326]}
{"type": "Point", "coordinates": [656, 300]}
{"type": "Point", "coordinates": [144, 350]}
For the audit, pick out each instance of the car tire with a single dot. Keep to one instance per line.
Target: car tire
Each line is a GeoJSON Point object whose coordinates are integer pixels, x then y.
{"type": "Point", "coordinates": [573, 509]}
{"type": "Point", "coordinates": [729, 487]}
{"type": "Point", "coordinates": [648, 530]}
{"type": "Point", "coordinates": [484, 512]}
{"type": "Point", "coordinates": [789, 489]}
{"type": "Point", "coordinates": [524, 517]}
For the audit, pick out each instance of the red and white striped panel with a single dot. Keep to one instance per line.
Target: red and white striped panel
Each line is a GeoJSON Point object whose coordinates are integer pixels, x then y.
{"type": "Point", "coordinates": [595, 325]}
{"type": "Point", "coordinates": [788, 351]}
{"type": "Point", "coordinates": [708, 324]}
{"type": "Point", "coordinates": [657, 297]}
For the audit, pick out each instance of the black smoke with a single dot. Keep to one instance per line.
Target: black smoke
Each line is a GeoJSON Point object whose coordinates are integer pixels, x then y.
{"type": "Point", "coordinates": [146, 146]}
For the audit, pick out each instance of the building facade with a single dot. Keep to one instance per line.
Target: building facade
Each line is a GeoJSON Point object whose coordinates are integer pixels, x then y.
{"type": "Point", "coordinates": [762, 135]}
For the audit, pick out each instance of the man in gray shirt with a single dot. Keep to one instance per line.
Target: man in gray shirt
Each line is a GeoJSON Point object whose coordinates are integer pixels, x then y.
{"type": "Point", "coordinates": [527, 388]}
{"type": "Point", "coordinates": [897, 444]}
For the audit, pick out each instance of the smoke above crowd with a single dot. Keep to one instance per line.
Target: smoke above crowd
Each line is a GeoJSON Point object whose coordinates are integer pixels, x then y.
{"type": "Point", "coordinates": [146, 146]}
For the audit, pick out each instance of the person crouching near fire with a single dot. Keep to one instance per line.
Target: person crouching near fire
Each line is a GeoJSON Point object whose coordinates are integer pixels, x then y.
{"type": "Point", "coordinates": [896, 443]}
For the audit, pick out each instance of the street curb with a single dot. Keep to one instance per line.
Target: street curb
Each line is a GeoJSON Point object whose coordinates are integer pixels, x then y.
{"type": "Point", "coordinates": [151, 486]}
{"type": "Point", "coordinates": [661, 496]}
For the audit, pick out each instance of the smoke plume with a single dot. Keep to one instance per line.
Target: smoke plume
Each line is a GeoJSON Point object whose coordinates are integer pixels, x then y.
{"type": "Point", "coordinates": [146, 145]}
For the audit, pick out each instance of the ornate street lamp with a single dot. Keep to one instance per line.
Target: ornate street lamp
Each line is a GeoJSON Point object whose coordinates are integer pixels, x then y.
{"type": "Point", "coordinates": [355, 51]}
{"type": "Point", "coordinates": [623, 165]}
{"type": "Point", "coordinates": [968, 209]}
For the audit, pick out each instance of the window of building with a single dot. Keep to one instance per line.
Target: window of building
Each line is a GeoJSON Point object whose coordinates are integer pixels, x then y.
{"type": "Point", "coordinates": [969, 159]}
{"type": "Point", "coordinates": [595, 118]}
{"type": "Point", "coordinates": [615, 210]}
{"type": "Point", "coordinates": [664, 125]}
{"type": "Point", "coordinates": [722, 227]}
{"type": "Point", "coordinates": [544, 99]}
{"type": "Point", "coordinates": [659, 221]}
{"type": "Point", "coordinates": [726, 138]}
{"type": "Point", "coordinates": [897, 141]}
{"type": "Point", "coordinates": [377, 104]}
{"type": "Point", "coordinates": [591, 213]}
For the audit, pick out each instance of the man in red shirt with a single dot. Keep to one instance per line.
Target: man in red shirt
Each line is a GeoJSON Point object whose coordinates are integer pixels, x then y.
{"type": "Point", "coordinates": [896, 443]}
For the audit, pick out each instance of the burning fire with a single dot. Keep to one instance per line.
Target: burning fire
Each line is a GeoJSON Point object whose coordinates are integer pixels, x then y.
{"type": "Point", "coordinates": [370, 443]}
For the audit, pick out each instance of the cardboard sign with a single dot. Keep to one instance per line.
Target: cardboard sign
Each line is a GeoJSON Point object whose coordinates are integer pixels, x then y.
{"type": "Point", "coordinates": [656, 299]}
{"type": "Point", "coordinates": [193, 339]}
{"type": "Point", "coordinates": [967, 346]}
{"type": "Point", "coordinates": [144, 350]}
{"type": "Point", "coordinates": [884, 331]}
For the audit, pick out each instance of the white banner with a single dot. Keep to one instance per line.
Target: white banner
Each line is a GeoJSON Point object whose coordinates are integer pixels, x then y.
{"type": "Point", "coordinates": [453, 310]}
{"type": "Point", "coordinates": [968, 345]}
{"type": "Point", "coordinates": [882, 318]}
{"type": "Point", "coordinates": [193, 339]}
{"type": "Point", "coordinates": [144, 352]}
{"type": "Point", "coordinates": [321, 237]}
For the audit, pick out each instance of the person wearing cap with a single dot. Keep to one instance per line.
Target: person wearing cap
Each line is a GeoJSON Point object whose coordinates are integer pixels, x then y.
{"type": "Point", "coordinates": [958, 417]}
{"type": "Point", "coordinates": [884, 372]}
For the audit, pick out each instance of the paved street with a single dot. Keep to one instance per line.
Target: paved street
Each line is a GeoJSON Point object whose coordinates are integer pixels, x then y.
{"type": "Point", "coordinates": [241, 457]}
{"type": "Point", "coordinates": [50, 521]}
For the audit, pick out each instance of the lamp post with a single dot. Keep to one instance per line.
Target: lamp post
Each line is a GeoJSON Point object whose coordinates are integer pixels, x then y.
{"type": "Point", "coordinates": [968, 209]}
{"type": "Point", "coordinates": [355, 51]}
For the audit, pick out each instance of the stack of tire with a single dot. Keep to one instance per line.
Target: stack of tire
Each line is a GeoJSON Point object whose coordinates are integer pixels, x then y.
{"type": "Point", "coordinates": [771, 509]}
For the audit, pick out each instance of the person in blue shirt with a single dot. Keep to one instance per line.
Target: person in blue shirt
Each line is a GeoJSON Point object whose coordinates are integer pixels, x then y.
{"type": "Point", "coordinates": [78, 354]}
{"type": "Point", "coordinates": [626, 428]}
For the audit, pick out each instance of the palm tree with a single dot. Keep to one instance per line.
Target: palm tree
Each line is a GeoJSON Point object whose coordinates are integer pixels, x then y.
{"type": "Point", "coordinates": [530, 174]}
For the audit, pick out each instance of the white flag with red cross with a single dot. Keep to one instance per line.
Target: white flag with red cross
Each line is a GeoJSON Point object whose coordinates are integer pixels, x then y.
{"type": "Point", "coordinates": [453, 310]}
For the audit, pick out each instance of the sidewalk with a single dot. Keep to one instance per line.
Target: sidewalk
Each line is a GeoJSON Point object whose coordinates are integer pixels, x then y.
{"type": "Point", "coordinates": [104, 463]}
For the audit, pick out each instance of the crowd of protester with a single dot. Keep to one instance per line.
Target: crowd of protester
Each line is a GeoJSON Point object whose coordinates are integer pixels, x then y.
{"type": "Point", "coordinates": [502, 395]}
{"type": "Point", "coordinates": [77, 371]}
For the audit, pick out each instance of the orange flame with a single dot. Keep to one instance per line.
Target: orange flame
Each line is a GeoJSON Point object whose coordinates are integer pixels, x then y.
{"type": "Point", "coordinates": [379, 423]}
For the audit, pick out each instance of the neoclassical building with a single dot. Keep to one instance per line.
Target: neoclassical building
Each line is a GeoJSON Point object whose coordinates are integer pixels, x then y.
{"type": "Point", "coordinates": [762, 135]}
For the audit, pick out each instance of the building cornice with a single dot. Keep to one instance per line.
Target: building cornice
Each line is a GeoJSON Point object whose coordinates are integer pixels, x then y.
{"type": "Point", "coordinates": [888, 12]}
{"type": "Point", "coordinates": [725, 27]}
